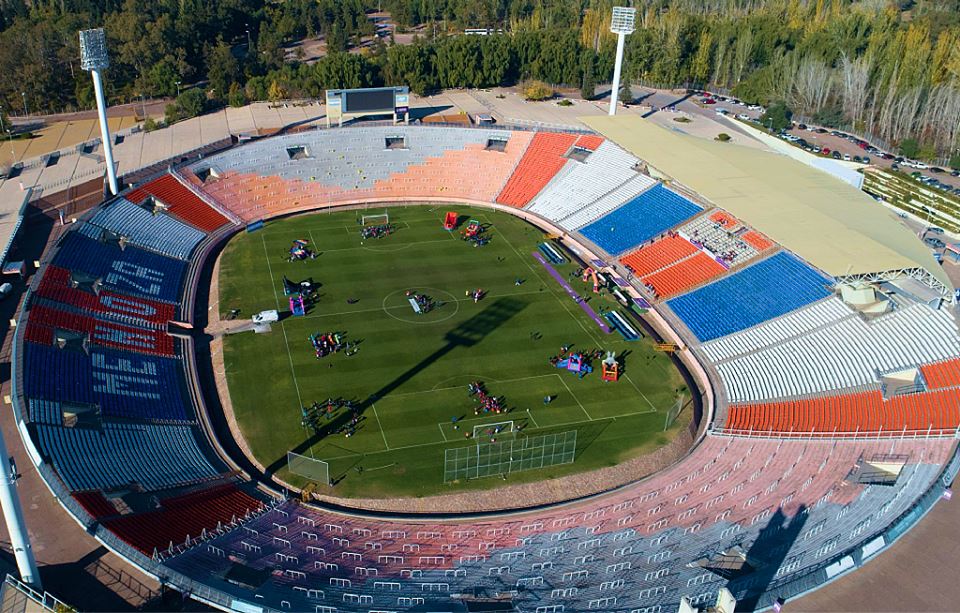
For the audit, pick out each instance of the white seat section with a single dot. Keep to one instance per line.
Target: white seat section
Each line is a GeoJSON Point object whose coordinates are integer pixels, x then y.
{"type": "Point", "coordinates": [723, 243]}
{"type": "Point", "coordinates": [580, 183]}
{"type": "Point", "coordinates": [847, 354]}
{"type": "Point", "coordinates": [608, 202]}
{"type": "Point", "coordinates": [801, 321]}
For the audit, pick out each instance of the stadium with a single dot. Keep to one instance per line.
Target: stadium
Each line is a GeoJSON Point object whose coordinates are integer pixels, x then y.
{"type": "Point", "coordinates": [796, 346]}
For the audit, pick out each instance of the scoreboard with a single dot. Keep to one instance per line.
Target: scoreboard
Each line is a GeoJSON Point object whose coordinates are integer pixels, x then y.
{"type": "Point", "coordinates": [353, 103]}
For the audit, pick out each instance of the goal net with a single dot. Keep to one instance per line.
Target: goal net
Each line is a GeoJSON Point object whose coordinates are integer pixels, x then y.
{"type": "Point", "coordinates": [375, 220]}
{"type": "Point", "coordinates": [486, 459]}
{"type": "Point", "coordinates": [316, 470]}
{"type": "Point", "coordinates": [485, 432]}
{"type": "Point", "coordinates": [673, 413]}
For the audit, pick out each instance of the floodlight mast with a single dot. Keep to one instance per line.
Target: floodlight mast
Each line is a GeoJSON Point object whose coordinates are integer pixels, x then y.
{"type": "Point", "coordinates": [13, 517]}
{"type": "Point", "coordinates": [93, 57]}
{"type": "Point", "coordinates": [621, 24]}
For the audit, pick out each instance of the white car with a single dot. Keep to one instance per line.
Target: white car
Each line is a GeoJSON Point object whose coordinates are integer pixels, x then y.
{"type": "Point", "coordinates": [721, 111]}
{"type": "Point", "coordinates": [743, 117]}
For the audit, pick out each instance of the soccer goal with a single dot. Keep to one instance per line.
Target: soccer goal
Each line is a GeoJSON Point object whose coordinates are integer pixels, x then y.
{"type": "Point", "coordinates": [380, 219]}
{"type": "Point", "coordinates": [494, 430]}
{"type": "Point", "coordinates": [673, 413]}
{"type": "Point", "coordinates": [316, 470]}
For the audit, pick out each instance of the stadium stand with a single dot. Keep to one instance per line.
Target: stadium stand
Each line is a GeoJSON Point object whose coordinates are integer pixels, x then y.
{"type": "Point", "coordinates": [658, 255]}
{"type": "Point", "coordinates": [155, 231]}
{"type": "Point", "coordinates": [762, 291]}
{"type": "Point", "coordinates": [542, 160]}
{"type": "Point", "coordinates": [608, 202]}
{"type": "Point", "coordinates": [651, 213]}
{"type": "Point", "coordinates": [129, 271]}
{"type": "Point", "coordinates": [801, 321]}
{"type": "Point", "coordinates": [119, 455]}
{"type": "Point", "coordinates": [580, 183]}
{"type": "Point", "coordinates": [123, 384]}
{"type": "Point", "coordinates": [848, 353]}
{"type": "Point", "coordinates": [103, 333]}
{"type": "Point", "coordinates": [788, 506]}
{"type": "Point", "coordinates": [183, 517]}
{"type": "Point", "coordinates": [863, 413]}
{"type": "Point", "coordinates": [942, 374]}
{"type": "Point", "coordinates": [759, 241]}
{"type": "Point", "coordinates": [180, 202]}
{"type": "Point", "coordinates": [57, 285]}
{"type": "Point", "coordinates": [685, 274]}
{"type": "Point", "coordinates": [723, 240]}
{"type": "Point", "coordinates": [436, 163]}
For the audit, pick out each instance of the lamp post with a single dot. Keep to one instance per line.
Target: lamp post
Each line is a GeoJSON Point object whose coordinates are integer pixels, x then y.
{"type": "Point", "coordinates": [247, 27]}
{"type": "Point", "coordinates": [621, 24]}
{"type": "Point", "coordinates": [26, 111]}
{"type": "Point", "coordinates": [178, 89]}
{"type": "Point", "coordinates": [93, 57]}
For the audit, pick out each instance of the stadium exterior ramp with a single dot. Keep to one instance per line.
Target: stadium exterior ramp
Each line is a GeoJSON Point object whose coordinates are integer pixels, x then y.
{"type": "Point", "coordinates": [825, 221]}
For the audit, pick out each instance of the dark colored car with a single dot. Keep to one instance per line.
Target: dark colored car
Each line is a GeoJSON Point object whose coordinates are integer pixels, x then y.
{"type": "Point", "coordinates": [836, 155]}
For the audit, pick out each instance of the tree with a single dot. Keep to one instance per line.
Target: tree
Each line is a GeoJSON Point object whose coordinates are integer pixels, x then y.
{"type": "Point", "coordinates": [955, 160]}
{"type": "Point", "coordinates": [588, 84]}
{"type": "Point", "coordinates": [188, 104]}
{"type": "Point", "coordinates": [626, 94]}
{"type": "Point", "coordinates": [223, 70]}
{"type": "Point", "coordinates": [237, 96]}
{"type": "Point", "coordinates": [910, 148]}
{"type": "Point", "coordinates": [277, 92]}
{"type": "Point", "coordinates": [777, 117]}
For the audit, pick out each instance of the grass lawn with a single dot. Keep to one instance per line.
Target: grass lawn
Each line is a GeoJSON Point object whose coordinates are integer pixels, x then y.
{"type": "Point", "coordinates": [411, 371]}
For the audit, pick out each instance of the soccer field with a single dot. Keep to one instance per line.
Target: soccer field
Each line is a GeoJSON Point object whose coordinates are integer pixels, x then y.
{"type": "Point", "coordinates": [410, 371]}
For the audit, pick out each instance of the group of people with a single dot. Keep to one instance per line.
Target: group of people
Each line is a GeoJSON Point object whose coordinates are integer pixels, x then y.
{"type": "Point", "coordinates": [476, 234]}
{"type": "Point", "coordinates": [326, 343]}
{"type": "Point", "coordinates": [378, 231]}
{"type": "Point", "coordinates": [326, 410]}
{"type": "Point", "coordinates": [484, 401]}
{"type": "Point", "coordinates": [567, 351]}
{"type": "Point", "coordinates": [424, 302]}
{"type": "Point", "coordinates": [476, 294]}
{"type": "Point", "coordinates": [300, 251]}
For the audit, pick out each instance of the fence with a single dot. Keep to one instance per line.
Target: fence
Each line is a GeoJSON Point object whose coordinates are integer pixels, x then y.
{"type": "Point", "coordinates": [509, 456]}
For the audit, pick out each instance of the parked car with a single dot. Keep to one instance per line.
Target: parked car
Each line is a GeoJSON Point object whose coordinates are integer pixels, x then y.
{"type": "Point", "coordinates": [934, 242]}
{"type": "Point", "coordinates": [802, 126]}
{"type": "Point", "coordinates": [936, 169]}
{"type": "Point", "coordinates": [894, 166]}
{"type": "Point", "coordinates": [826, 151]}
{"type": "Point", "coordinates": [846, 157]}
{"type": "Point", "coordinates": [865, 159]}
{"type": "Point", "coordinates": [835, 155]}
{"type": "Point", "coordinates": [935, 230]}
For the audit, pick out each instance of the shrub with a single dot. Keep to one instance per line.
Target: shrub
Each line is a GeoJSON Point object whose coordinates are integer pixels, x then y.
{"type": "Point", "coordinates": [537, 90]}
{"type": "Point", "coordinates": [564, 102]}
{"type": "Point", "coordinates": [723, 137]}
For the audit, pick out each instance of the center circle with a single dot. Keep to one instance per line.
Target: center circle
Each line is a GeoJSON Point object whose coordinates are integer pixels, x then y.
{"type": "Point", "coordinates": [397, 306]}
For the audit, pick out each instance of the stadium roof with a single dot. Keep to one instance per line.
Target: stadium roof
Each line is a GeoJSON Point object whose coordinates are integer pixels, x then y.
{"type": "Point", "coordinates": [827, 222]}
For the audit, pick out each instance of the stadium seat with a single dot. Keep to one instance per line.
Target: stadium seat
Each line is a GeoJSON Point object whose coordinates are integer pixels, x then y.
{"type": "Point", "coordinates": [767, 289]}
{"type": "Point", "coordinates": [650, 214]}
{"type": "Point", "coordinates": [543, 159]}
{"type": "Point", "coordinates": [155, 231]}
{"type": "Point", "coordinates": [180, 201]}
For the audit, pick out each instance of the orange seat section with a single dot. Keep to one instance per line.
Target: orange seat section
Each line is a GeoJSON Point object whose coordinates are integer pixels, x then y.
{"type": "Point", "coordinates": [542, 160]}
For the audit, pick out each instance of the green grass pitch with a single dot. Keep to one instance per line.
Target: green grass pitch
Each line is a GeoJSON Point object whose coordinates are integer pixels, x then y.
{"type": "Point", "coordinates": [415, 368]}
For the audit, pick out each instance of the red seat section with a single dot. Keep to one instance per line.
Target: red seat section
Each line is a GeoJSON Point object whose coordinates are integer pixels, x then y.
{"type": "Point", "coordinates": [725, 219]}
{"type": "Point", "coordinates": [95, 504]}
{"type": "Point", "coordinates": [684, 274]}
{"type": "Point", "coordinates": [589, 141]}
{"type": "Point", "coordinates": [942, 374]}
{"type": "Point", "coordinates": [180, 201]}
{"type": "Point", "coordinates": [935, 411]}
{"type": "Point", "coordinates": [37, 333]}
{"type": "Point", "coordinates": [757, 240]}
{"type": "Point", "coordinates": [105, 333]}
{"type": "Point", "coordinates": [55, 285]}
{"type": "Point", "coordinates": [542, 160]}
{"type": "Point", "coordinates": [183, 517]}
{"type": "Point", "coordinates": [660, 254]}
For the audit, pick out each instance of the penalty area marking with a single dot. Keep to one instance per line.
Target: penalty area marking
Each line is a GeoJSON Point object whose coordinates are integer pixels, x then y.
{"type": "Point", "coordinates": [382, 433]}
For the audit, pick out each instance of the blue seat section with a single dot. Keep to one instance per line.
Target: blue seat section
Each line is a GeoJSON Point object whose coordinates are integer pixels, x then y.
{"type": "Point", "coordinates": [124, 384]}
{"type": "Point", "coordinates": [156, 456]}
{"type": "Point", "coordinates": [158, 232]}
{"type": "Point", "coordinates": [768, 289]}
{"type": "Point", "coordinates": [45, 411]}
{"type": "Point", "coordinates": [129, 271]}
{"type": "Point", "coordinates": [641, 218]}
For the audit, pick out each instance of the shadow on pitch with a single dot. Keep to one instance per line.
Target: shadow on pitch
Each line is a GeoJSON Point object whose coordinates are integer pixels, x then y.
{"type": "Point", "coordinates": [467, 334]}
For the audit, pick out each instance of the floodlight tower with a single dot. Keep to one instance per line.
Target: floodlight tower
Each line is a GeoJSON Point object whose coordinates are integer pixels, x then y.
{"type": "Point", "coordinates": [93, 57]}
{"type": "Point", "coordinates": [621, 24]}
{"type": "Point", "coordinates": [13, 517]}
